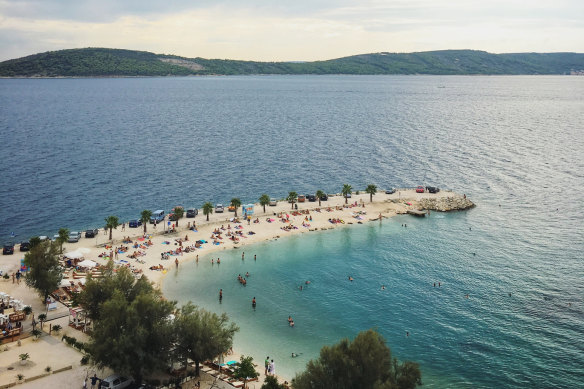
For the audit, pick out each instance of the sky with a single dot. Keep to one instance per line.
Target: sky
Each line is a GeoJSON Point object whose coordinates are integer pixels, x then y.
{"type": "Point", "coordinates": [292, 30]}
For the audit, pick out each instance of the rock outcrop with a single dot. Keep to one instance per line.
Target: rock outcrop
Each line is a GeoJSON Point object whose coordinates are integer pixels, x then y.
{"type": "Point", "coordinates": [444, 204]}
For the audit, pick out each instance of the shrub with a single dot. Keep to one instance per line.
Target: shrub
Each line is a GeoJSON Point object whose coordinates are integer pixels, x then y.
{"type": "Point", "coordinates": [57, 328]}
{"type": "Point", "coordinates": [24, 357]}
{"type": "Point", "coordinates": [85, 360]}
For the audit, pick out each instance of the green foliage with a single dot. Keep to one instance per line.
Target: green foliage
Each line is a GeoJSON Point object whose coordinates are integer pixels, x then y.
{"type": "Point", "coordinates": [236, 203]}
{"type": "Point", "coordinates": [346, 191]}
{"type": "Point", "coordinates": [111, 222]}
{"type": "Point", "coordinates": [207, 209]}
{"type": "Point", "coordinates": [27, 309]}
{"type": "Point", "coordinates": [34, 241]}
{"type": "Point", "coordinates": [245, 369]}
{"type": "Point", "coordinates": [319, 195]}
{"type": "Point", "coordinates": [371, 189]}
{"type": "Point", "coordinates": [292, 196]}
{"type": "Point", "coordinates": [264, 200]}
{"type": "Point", "coordinates": [132, 336]}
{"type": "Point", "coordinates": [271, 382]}
{"type": "Point", "coordinates": [202, 335]}
{"type": "Point", "coordinates": [24, 357]}
{"type": "Point", "coordinates": [63, 237]}
{"type": "Point", "coordinates": [56, 328]}
{"type": "Point", "coordinates": [363, 363]}
{"type": "Point", "coordinates": [145, 218]}
{"type": "Point", "coordinates": [45, 271]}
{"type": "Point", "coordinates": [178, 214]}
{"type": "Point", "coordinates": [103, 62]}
{"type": "Point", "coordinates": [84, 360]}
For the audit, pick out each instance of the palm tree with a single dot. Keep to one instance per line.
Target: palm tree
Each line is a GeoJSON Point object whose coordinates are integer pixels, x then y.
{"type": "Point", "coordinates": [320, 195]}
{"type": "Point", "coordinates": [236, 203]}
{"type": "Point", "coordinates": [178, 213]}
{"type": "Point", "coordinates": [207, 209]}
{"type": "Point", "coordinates": [111, 222]}
{"type": "Point", "coordinates": [264, 200]}
{"type": "Point", "coordinates": [346, 191]}
{"type": "Point", "coordinates": [63, 237]}
{"type": "Point", "coordinates": [292, 196]}
{"type": "Point", "coordinates": [371, 189]}
{"type": "Point", "coordinates": [145, 218]}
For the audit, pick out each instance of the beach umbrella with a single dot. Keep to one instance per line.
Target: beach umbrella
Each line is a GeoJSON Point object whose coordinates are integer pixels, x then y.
{"type": "Point", "coordinates": [87, 263]}
{"type": "Point", "coordinates": [65, 282]}
{"type": "Point", "coordinates": [83, 250]}
{"type": "Point", "coordinates": [74, 255]}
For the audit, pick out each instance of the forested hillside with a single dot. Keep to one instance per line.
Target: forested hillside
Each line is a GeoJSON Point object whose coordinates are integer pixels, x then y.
{"type": "Point", "coordinates": [101, 62]}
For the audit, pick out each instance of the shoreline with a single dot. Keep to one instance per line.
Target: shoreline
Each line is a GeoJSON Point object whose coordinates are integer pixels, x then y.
{"type": "Point", "coordinates": [359, 211]}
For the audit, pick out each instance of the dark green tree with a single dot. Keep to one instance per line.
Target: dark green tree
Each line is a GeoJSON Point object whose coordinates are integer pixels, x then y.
{"type": "Point", "coordinates": [271, 382]}
{"type": "Point", "coordinates": [145, 218]}
{"type": "Point", "coordinates": [292, 196]}
{"type": "Point", "coordinates": [207, 209]}
{"type": "Point", "coordinates": [245, 370]}
{"type": "Point", "coordinates": [132, 337]}
{"type": "Point", "coordinates": [45, 271]}
{"type": "Point", "coordinates": [178, 213]}
{"type": "Point", "coordinates": [371, 189]}
{"type": "Point", "coordinates": [63, 237]}
{"type": "Point", "coordinates": [264, 200]}
{"type": "Point", "coordinates": [320, 195]}
{"type": "Point", "coordinates": [363, 363]}
{"type": "Point", "coordinates": [347, 190]}
{"type": "Point", "coordinates": [34, 241]}
{"type": "Point", "coordinates": [111, 222]}
{"type": "Point", "coordinates": [202, 335]}
{"type": "Point", "coordinates": [236, 203]}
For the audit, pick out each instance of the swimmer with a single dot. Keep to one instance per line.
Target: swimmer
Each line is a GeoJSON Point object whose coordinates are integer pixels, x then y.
{"type": "Point", "coordinates": [242, 255]}
{"type": "Point", "coordinates": [292, 323]}
{"type": "Point", "coordinates": [407, 333]}
{"type": "Point", "coordinates": [300, 287]}
{"type": "Point", "coordinates": [439, 284]}
{"type": "Point", "coordinates": [466, 296]}
{"type": "Point", "coordinates": [220, 294]}
{"type": "Point", "coordinates": [254, 257]}
{"type": "Point", "coordinates": [382, 287]}
{"type": "Point", "coordinates": [350, 278]}
{"type": "Point", "coordinates": [434, 284]}
{"type": "Point", "coordinates": [247, 274]}
{"type": "Point", "coordinates": [289, 319]}
{"type": "Point", "coordinates": [212, 261]}
{"type": "Point", "coordinates": [294, 355]}
{"type": "Point", "coordinates": [218, 261]}
{"type": "Point", "coordinates": [307, 282]}
{"type": "Point", "coordinates": [253, 302]}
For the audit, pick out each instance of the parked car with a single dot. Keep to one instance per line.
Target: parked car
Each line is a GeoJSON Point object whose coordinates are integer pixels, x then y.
{"type": "Point", "coordinates": [192, 212]}
{"type": "Point", "coordinates": [55, 237]}
{"type": "Point", "coordinates": [134, 223]}
{"type": "Point", "coordinates": [420, 189]}
{"type": "Point", "coordinates": [301, 198]}
{"type": "Point", "coordinates": [157, 216]}
{"type": "Point", "coordinates": [349, 195]}
{"type": "Point", "coordinates": [311, 198]}
{"type": "Point", "coordinates": [25, 246]}
{"type": "Point", "coordinates": [219, 208]}
{"type": "Point", "coordinates": [432, 189]}
{"type": "Point", "coordinates": [324, 197]}
{"type": "Point", "coordinates": [116, 381]}
{"type": "Point", "coordinates": [91, 233]}
{"type": "Point", "coordinates": [43, 238]}
{"type": "Point", "coordinates": [390, 191]}
{"type": "Point", "coordinates": [231, 208]}
{"type": "Point", "coordinates": [273, 202]}
{"type": "Point", "coordinates": [8, 249]}
{"type": "Point", "coordinates": [74, 237]}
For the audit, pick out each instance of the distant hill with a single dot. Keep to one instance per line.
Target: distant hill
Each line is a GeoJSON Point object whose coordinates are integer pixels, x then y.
{"type": "Point", "coordinates": [102, 62]}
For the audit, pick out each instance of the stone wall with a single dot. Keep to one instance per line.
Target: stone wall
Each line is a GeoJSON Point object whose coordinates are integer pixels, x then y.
{"type": "Point", "coordinates": [444, 204]}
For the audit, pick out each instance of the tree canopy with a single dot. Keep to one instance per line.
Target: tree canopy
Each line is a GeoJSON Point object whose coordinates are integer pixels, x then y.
{"type": "Point", "coordinates": [207, 209]}
{"type": "Point", "coordinates": [145, 218]}
{"type": "Point", "coordinates": [245, 369]}
{"type": "Point", "coordinates": [264, 200]}
{"type": "Point", "coordinates": [63, 237]}
{"type": "Point", "coordinates": [178, 213]}
{"type": "Point", "coordinates": [201, 334]}
{"type": "Point", "coordinates": [371, 189]}
{"type": "Point", "coordinates": [292, 196]}
{"type": "Point", "coordinates": [111, 222]}
{"type": "Point", "coordinates": [364, 363]}
{"type": "Point", "coordinates": [45, 271]}
{"type": "Point", "coordinates": [319, 195]}
{"type": "Point", "coordinates": [236, 203]}
{"type": "Point", "coordinates": [347, 190]}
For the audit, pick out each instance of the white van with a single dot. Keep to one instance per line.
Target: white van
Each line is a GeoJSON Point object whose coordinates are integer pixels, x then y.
{"type": "Point", "coordinates": [157, 216]}
{"type": "Point", "coordinates": [116, 382]}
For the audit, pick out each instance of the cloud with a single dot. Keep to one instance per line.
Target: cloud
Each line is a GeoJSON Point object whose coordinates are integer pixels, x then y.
{"type": "Point", "coordinates": [301, 30]}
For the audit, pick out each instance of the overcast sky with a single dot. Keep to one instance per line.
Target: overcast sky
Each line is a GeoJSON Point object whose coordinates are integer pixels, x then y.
{"type": "Point", "coordinates": [292, 30]}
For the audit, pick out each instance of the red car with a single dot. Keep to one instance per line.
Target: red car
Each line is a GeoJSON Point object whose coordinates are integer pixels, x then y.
{"type": "Point", "coordinates": [420, 189]}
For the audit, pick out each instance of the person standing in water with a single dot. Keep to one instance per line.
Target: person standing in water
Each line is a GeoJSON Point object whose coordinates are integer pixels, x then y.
{"type": "Point", "coordinates": [220, 294]}
{"type": "Point", "coordinates": [253, 302]}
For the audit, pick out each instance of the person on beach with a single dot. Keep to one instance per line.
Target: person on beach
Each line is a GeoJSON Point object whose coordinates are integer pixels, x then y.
{"type": "Point", "coordinates": [176, 262]}
{"type": "Point", "coordinates": [272, 368]}
{"type": "Point", "coordinates": [94, 380]}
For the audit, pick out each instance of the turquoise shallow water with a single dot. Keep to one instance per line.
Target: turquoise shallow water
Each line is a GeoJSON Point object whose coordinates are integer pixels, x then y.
{"type": "Point", "coordinates": [529, 339]}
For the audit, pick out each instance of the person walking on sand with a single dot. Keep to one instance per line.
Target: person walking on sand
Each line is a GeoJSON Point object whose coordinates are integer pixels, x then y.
{"type": "Point", "coordinates": [266, 364]}
{"type": "Point", "coordinates": [176, 262]}
{"type": "Point", "coordinates": [94, 381]}
{"type": "Point", "coordinates": [272, 368]}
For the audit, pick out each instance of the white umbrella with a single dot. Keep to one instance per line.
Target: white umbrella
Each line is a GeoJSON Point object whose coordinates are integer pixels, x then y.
{"type": "Point", "coordinates": [83, 250]}
{"type": "Point", "coordinates": [74, 255]}
{"type": "Point", "coordinates": [87, 263]}
{"type": "Point", "coordinates": [65, 282]}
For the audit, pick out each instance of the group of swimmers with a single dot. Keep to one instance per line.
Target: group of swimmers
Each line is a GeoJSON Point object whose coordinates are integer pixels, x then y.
{"type": "Point", "coordinates": [290, 321]}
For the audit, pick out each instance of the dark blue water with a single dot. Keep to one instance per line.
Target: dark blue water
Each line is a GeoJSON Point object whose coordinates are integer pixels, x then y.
{"type": "Point", "coordinates": [76, 151]}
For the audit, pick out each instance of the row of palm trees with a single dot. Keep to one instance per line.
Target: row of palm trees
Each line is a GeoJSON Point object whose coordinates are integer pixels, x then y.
{"type": "Point", "coordinates": [113, 222]}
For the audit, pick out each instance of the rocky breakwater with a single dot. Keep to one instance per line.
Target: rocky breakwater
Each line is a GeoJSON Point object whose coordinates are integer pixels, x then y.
{"type": "Point", "coordinates": [455, 202]}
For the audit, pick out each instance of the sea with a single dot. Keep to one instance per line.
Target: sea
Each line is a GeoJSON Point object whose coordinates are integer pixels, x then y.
{"type": "Point", "coordinates": [507, 310]}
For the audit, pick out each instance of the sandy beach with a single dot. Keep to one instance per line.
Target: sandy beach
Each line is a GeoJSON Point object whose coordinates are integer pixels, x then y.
{"type": "Point", "coordinates": [165, 250]}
